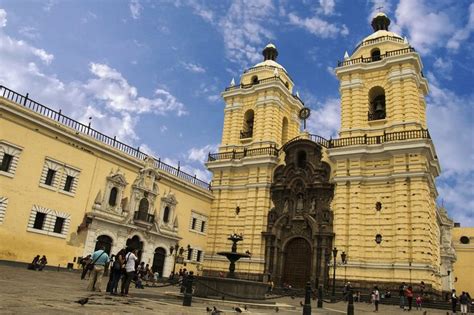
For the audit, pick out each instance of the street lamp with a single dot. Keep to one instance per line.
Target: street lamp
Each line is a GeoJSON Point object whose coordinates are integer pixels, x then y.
{"type": "Point", "coordinates": [334, 254]}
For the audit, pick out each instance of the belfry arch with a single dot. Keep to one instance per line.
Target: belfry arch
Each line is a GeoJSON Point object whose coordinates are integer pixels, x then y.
{"type": "Point", "coordinates": [299, 234]}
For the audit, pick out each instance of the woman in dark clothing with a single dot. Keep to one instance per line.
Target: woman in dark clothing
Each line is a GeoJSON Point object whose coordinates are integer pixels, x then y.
{"type": "Point", "coordinates": [116, 271]}
{"type": "Point", "coordinates": [409, 295]}
{"type": "Point", "coordinates": [454, 300]}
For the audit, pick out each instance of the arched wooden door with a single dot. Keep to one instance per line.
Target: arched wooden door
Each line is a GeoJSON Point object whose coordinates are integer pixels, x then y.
{"type": "Point", "coordinates": [159, 260]}
{"type": "Point", "coordinates": [105, 241]}
{"type": "Point", "coordinates": [297, 264]}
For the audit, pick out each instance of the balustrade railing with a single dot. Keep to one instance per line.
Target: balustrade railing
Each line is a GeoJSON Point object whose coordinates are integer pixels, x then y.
{"type": "Point", "coordinates": [58, 116]}
{"type": "Point", "coordinates": [375, 58]}
{"type": "Point", "coordinates": [331, 143]}
{"type": "Point", "coordinates": [379, 39]}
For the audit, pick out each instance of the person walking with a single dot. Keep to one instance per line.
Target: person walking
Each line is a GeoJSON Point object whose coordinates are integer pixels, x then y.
{"type": "Point", "coordinates": [464, 301]}
{"type": "Point", "coordinates": [454, 301]}
{"type": "Point", "coordinates": [99, 259]}
{"type": "Point", "coordinates": [130, 261]}
{"type": "Point", "coordinates": [85, 262]}
{"type": "Point", "coordinates": [401, 293]}
{"type": "Point", "coordinates": [409, 295]}
{"type": "Point", "coordinates": [376, 298]}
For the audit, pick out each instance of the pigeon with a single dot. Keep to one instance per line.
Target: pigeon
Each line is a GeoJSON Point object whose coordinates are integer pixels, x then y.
{"type": "Point", "coordinates": [245, 307]}
{"type": "Point", "coordinates": [238, 309]}
{"type": "Point", "coordinates": [215, 311]}
{"type": "Point", "coordinates": [276, 309]}
{"type": "Point", "coordinates": [208, 309]}
{"type": "Point", "coordinates": [301, 303]}
{"type": "Point", "coordinates": [83, 301]}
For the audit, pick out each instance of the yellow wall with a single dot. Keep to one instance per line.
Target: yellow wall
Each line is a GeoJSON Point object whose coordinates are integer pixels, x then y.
{"type": "Point", "coordinates": [464, 265]}
{"type": "Point", "coordinates": [40, 137]}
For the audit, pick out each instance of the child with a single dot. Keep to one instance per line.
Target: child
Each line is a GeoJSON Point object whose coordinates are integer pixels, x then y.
{"type": "Point", "coordinates": [418, 303]}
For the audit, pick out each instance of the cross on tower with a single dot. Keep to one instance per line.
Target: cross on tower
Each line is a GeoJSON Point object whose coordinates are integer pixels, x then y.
{"type": "Point", "coordinates": [379, 9]}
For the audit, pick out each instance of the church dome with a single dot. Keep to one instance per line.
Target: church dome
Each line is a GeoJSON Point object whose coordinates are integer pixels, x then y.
{"type": "Point", "coordinates": [380, 24]}
{"type": "Point", "coordinates": [270, 54]}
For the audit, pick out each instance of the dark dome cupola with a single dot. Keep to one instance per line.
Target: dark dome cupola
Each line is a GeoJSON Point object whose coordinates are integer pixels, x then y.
{"type": "Point", "coordinates": [380, 22]}
{"type": "Point", "coordinates": [270, 52]}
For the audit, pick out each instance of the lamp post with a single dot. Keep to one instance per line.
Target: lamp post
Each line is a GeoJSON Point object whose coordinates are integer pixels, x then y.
{"type": "Point", "coordinates": [334, 254]}
{"type": "Point", "coordinates": [178, 252]}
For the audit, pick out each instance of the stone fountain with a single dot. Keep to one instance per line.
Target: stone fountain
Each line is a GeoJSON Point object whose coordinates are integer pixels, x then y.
{"type": "Point", "coordinates": [230, 287]}
{"type": "Point", "coordinates": [233, 256]}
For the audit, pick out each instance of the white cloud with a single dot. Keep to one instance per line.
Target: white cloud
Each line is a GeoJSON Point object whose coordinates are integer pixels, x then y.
{"type": "Point", "coordinates": [193, 67]}
{"type": "Point", "coordinates": [245, 29]}
{"type": "Point", "coordinates": [450, 123]}
{"type": "Point", "coordinates": [462, 34]}
{"type": "Point", "coordinates": [135, 9]}
{"type": "Point", "coordinates": [325, 117]}
{"type": "Point", "coordinates": [163, 128]}
{"type": "Point", "coordinates": [3, 18]}
{"type": "Point", "coordinates": [147, 150]}
{"type": "Point", "coordinates": [427, 28]}
{"type": "Point", "coordinates": [29, 32]}
{"type": "Point", "coordinates": [214, 98]}
{"type": "Point", "coordinates": [443, 67]}
{"type": "Point", "coordinates": [49, 5]}
{"type": "Point", "coordinates": [200, 154]}
{"type": "Point", "coordinates": [327, 6]}
{"type": "Point", "coordinates": [318, 26]}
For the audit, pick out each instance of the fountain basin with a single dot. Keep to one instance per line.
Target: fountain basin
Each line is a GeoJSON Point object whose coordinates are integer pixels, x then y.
{"type": "Point", "coordinates": [235, 288]}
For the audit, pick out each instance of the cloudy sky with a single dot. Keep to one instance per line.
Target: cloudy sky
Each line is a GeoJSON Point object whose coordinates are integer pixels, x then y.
{"type": "Point", "coordinates": [151, 71]}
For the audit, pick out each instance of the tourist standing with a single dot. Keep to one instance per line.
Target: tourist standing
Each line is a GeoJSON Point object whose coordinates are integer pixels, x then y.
{"type": "Point", "coordinates": [99, 259]}
{"type": "Point", "coordinates": [130, 260]}
{"type": "Point", "coordinates": [464, 300]}
{"type": "Point", "coordinates": [409, 295]}
{"type": "Point", "coordinates": [454, 301]}
{"type": "Point", "coordinates": [418, 302]}
{"type": "Point", "coordinates": [376, 298]}
{"type": "Point", "coordinates": [116, 271]}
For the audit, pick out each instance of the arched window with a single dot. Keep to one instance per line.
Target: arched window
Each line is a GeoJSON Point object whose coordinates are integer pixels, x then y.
{"type": "Point", "coordinates": [377, 103]}
{"type": "Point", "coordinates": [104, 241]}
{"type": "Point", "coordinates": [254, 79]}
{"type": "Point", "coordinates": [113, 196]}
{"type": "Point", "coordinates": [301, 162]}
{"type": "Point", "coordinates": [375, 54]}
{"type": "Point", "coordinates": [143, 206]}
{"type": "Point", "coordinates": [247, 130]}
{"type": "Point", "coordinates": [166, 214]}
{"type": "Point", "coordinates": [284, 131]}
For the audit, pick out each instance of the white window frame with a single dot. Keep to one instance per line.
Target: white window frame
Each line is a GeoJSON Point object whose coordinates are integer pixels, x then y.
{"type": "Point", "coordinates": [49, 222]}
{"type": "Point", "coordinates": [3, 208]}
{"type": "Point", "coordinates": [199, 219]}
{"type": "Point", "coordinates": [14, 151]}
{"type": "Point", "coordinates": [63, 170]}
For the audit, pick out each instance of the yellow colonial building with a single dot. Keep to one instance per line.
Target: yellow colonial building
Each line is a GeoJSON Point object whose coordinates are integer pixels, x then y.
{"type": "Point", "coordinates": [65, 188]}
{"type": "Point", "coordinates": [463, 240]}
{"type": "Point", "coordinates": [295, 198]}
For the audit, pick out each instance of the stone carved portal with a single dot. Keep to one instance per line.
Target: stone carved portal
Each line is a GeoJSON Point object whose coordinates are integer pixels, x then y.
{"type": "Point", "coordinates": [299, 232]}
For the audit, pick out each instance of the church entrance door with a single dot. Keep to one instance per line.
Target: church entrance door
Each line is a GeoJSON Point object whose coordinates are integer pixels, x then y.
{"type": "Point", "coordinates": [297, 262]}
{"type": "Point", "coordinates": [159, 261]}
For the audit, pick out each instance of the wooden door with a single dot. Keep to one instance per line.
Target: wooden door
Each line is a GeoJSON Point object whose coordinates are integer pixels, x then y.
{"type": "Point", "coordinates": [297, 264]}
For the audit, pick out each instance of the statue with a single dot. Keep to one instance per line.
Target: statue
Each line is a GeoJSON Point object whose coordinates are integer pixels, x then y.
{"type": "Point", "coordinates": [299, 204]}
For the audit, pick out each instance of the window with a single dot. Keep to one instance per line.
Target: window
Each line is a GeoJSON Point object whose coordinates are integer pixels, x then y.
{"type": "Point", "coordinates": [3, 207]}
{"type": "Point", "coordinates": [254, 79]}
{"type": "Point", "coordinates": [113, 196]}
{"type": "Point", "coordinates": [143, 206]}
{"type": "Point", "coordinates": [6, 162]}
{"type": "Point", "coordinates": [68, 183]}
{"type": "Point", "coordinates": [198, 222]}
{"type": "Point", "coordinates": [49, 222]}
{"type": "Point", "coordinates": [284, 131]}
{"type": "Point", "coordinates": [58, 225]}
{"type": "Point", "coordinates": [39, 221]}
{"type": "Point", "coordinates": [375, 54]}
{"type": "Point", "coordinates": [464, 240]}
{"type": "Point", "coordinates": [193, 224]}
{"type": "Point", "coordinates": [377, 108]}
{"type": "Point", "coordinates": [190, 254]}
{"type": "Point", "coordinates": [247, 129]}
{"type": "Point", "coordinates": [203, 226]}
{"type": "Point", "coordinates": [199, 255]}
{"type": "Point", "coordinates": [166, 214]}
{"type": "Point", "coordinates": [9, 155]}
{"type": "Point", "coordinates": [301, 159]}
{"type": "Point", "coordinates": [50, 177]}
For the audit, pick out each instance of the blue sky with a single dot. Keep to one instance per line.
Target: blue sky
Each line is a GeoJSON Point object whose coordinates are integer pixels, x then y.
{"type": "Point", "coordinates": [151, 72]}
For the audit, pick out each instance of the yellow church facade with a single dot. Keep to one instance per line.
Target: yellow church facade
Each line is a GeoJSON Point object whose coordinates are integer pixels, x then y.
{"type": "Point", "coordinates": [65, 189]}
{"type": "Point", "coordinates": [294, 197]}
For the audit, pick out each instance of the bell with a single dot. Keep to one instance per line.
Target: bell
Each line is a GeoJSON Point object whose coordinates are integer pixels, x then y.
{"type": "Point", "coordinates": [379, 106]}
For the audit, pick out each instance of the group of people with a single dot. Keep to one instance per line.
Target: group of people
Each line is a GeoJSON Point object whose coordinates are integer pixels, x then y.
{"type": "Point", "coordinates": [122, 267]}
{"type": "Point", "coordinates": [406, 295]}
{"type": "Point", "coordinates": [464, 299]}
{"type": "Point", "coordinates": [38, 263]}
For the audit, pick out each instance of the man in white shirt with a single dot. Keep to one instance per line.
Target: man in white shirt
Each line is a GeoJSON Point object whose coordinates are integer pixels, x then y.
{"type": "Point", "coordinates": [130, 262]}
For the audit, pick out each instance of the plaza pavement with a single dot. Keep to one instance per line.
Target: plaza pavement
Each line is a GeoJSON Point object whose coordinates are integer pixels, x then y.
{"type": "Point", "coordinates": [24, 291]}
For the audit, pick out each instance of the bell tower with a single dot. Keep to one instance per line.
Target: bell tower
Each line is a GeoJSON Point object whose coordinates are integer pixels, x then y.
{"type": "Point", "coordinates": [385, 215]}
{"type": "Point", "coordinates": [260, 115]}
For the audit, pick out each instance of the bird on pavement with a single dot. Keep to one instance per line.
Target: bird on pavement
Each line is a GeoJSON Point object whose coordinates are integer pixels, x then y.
{"type": "Point", "coordinates": [238, 309]}
{"type": "Point", "coordinates": [245, 307]}
{"type": "Point", "coordinates": [215, 311]}
{"type": "Point", "coordinates": [83, 301]}
{"type": "Point", "coordinates": [276, 309]}
{"type": "Point", "coordinates": [301, 303]}
{"type": "Point", "coordinates": [208, 309]}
